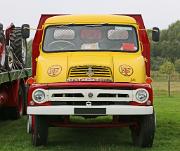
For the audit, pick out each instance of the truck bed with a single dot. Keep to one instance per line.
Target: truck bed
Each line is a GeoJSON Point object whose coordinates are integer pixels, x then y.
{"type": "Point", "coordinates": [14, 75]}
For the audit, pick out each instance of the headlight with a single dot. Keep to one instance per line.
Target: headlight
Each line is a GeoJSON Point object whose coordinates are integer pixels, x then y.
{"type": "Point", "coordinates": [141, 95]}
{"type": "Point", "coordinates": [39, 96]}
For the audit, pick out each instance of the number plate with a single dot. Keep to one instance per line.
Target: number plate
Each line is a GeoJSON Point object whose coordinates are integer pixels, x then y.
{"type": "Point", "coordinates": [90, 111]}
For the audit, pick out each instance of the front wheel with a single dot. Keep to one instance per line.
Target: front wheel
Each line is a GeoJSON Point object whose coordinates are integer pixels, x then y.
{"type": "Point", "coordinates": [143, 134]}
{"type": "Point", "coordinates": [40, 131]}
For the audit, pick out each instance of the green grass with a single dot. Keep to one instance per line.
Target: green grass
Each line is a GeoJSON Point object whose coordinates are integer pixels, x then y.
{"type": "Point", "coordinates": [13, 136]}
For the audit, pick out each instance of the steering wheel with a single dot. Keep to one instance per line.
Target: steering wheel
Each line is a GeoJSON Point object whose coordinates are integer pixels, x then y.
{"type": "Point", "coordinates": [61, 45]}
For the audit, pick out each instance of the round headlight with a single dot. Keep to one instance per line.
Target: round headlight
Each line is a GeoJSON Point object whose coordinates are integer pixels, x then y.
{"type": "Point", "coordinates": [39, 96]}
{"type": "Point", "coordinates": [142, 95]}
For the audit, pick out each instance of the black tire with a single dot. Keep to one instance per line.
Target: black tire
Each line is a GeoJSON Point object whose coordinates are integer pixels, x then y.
{"type": "Point", "coordinates": [16, 42]}
{"type": "Point", "coordinates": [3, 114]}
{"type": "Point", "coordinates": [9, 61]}
{"type": "Point", "coordinates": [40, 131]}
{"type": "Point", "coordinates": [143, 134]}
{"type": "Point", "coordinates": [29, 124]}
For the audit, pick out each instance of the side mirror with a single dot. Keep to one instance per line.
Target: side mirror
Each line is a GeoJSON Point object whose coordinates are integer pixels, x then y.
{"type": "Point", "coordinates": [1, 26]}
{"type": "Point", "coordinates": [155, 34]}
{"type": "Point", "coordinates": [25, 30]}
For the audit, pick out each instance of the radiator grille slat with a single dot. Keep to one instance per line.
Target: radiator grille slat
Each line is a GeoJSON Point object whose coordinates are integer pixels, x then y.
{"type": "Point", "coordinates": [90, 71]}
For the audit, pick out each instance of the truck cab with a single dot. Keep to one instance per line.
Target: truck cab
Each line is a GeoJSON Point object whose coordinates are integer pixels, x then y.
{"type": "Point", "coordinates": [89, 66]}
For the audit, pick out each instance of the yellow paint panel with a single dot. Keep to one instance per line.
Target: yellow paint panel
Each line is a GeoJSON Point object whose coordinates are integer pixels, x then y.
{"type": "Point", "coordinates": [54, 67]}
{"type": "Point", "coordinates": [112, 60]}
{"type": "Point", "coordinates": [44, 62]}
{"type": "Point", "coordinates": [136, 62]}
{"type": "Point", "coordinates": [90, 19]}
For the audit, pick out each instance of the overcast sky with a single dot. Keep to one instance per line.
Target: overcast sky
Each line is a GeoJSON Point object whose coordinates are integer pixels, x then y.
{"type": "Point", "coordinates": [159, 13]}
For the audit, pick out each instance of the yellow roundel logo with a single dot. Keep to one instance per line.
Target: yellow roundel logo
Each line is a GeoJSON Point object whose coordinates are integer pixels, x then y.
{"type": "Point", "coordinates": [54, 70]}
{"type": "Point", "coordinates": [126, 70]}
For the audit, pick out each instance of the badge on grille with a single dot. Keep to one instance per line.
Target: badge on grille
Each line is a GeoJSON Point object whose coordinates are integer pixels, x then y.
{"type": "Point", "coordinates": [88, 103]}
{"type": "Point", "coordinates": [90, 72]}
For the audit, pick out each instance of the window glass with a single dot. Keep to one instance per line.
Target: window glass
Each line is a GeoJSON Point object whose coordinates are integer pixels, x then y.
{"type": "Point", "coordinates": [90, 37]}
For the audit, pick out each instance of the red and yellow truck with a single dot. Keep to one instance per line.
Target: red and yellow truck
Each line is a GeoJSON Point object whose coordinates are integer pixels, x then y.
{"type": "Point", "coordinates": [91, 65]}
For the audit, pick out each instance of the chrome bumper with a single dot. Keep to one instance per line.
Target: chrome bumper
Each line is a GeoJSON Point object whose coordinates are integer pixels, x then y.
{"type": "Point", "coordinates": [90, 110]}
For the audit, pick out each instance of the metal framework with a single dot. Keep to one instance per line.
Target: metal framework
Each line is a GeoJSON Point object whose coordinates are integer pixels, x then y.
{"type": "Point", "coordinates": [14, 75]}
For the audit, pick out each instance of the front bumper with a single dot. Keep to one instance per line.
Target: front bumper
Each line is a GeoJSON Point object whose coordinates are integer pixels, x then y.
{"type": "Point", "coordinates": [91, 110]}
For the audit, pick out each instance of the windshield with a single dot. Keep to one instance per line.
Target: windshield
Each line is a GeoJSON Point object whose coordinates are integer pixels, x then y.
{"type": "Point", "coordinates": [90, 37]}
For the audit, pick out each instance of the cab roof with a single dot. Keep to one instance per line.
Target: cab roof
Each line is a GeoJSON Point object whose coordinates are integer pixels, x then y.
{"type": "Point", "coordinates": [91, 19]}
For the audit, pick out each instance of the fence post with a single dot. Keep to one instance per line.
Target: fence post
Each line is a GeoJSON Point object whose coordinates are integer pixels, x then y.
{"type": "Point", "coordinates": [169, 85]}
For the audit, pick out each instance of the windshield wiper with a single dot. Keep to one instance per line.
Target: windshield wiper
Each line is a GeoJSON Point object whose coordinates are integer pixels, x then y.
{"type": "Point", "coordinates": [59, 26]}
{"type": "Point", "coordinates": [87, 25]}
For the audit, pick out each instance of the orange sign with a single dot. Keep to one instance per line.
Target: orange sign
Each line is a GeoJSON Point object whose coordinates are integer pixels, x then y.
{"type": "Point", "coordinates": [54, 70]}
{"type": "Point", "coordinates": [126, 70]}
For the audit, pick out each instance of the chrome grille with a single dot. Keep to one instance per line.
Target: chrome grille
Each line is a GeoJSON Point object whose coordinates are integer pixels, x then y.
{"type": "Point", "coordinates": [90, 71]}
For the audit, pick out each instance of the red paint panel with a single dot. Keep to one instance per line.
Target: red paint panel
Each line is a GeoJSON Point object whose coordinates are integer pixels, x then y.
{"type": "Point", "coordinates": [1, 48]}
{"type": "Point", "coordinates": [12, 91]}
{"type": "Point", "coordinates": [8, 31]}
{"type": "Point", "coordinates": [90, 84]}
{"type": "Point", "coordinates": [37, 40]}
{"type": "Point", "coordinates": [144, 41]}
{"type": "Point", "coordinates": [3, 97]}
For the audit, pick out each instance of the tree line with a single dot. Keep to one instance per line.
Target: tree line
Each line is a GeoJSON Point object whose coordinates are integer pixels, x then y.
{"type": "Point", "coordinates": [165, 55]}
{"type": "Point", "coordinates": [167, 50]}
